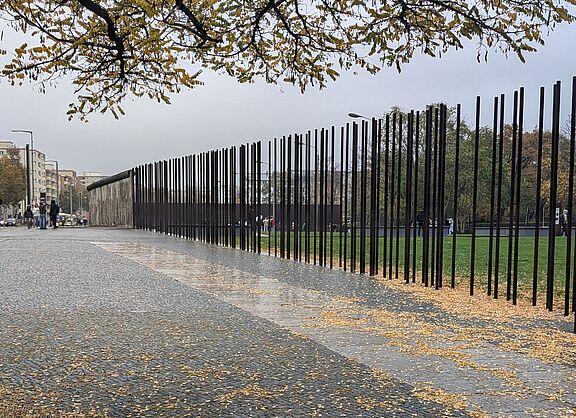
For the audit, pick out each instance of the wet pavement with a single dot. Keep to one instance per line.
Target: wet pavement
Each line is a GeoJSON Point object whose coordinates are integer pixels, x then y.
{"type": "Point", "coordinates": [101, 322]}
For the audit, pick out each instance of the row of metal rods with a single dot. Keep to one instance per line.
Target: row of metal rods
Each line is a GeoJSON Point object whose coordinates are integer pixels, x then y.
{"type": "Point", "coordinates": [362, 185]}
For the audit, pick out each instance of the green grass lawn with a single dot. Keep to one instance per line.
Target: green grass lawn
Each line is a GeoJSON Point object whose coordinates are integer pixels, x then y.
{"type": "Point", "coordinates": [463, 259]}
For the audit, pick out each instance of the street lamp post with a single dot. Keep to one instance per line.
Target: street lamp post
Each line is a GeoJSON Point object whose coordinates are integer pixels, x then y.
{"type": "Point", "coordinates": [70, 192]}
{"type": "Point", "coordinates": [358, 116]}
{"type": "Point", "coordinates": [32, 151]}
{"type": "Point", "coordinates": [28, 186]}
{"type": "Point", "coordinates": [57, 180]}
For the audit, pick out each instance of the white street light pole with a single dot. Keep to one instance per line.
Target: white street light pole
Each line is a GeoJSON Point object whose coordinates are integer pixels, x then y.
{"type": "Point", "coordinates": [32, 151]}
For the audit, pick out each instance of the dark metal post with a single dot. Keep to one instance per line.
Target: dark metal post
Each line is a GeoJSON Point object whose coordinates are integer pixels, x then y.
{"type": "Point", "coordinates": [442, 192]}
{"type": "Point", "coordinates": [275, 214]}
{"type": "Point", "coordinates": [321, 219]}
{"type": "Point", "coordinates": [315, 201]}
{"type": "Point", "coordinates": [345, 257]}
{"type": "Point", "coordinates": [475, 196]}
{"type": "Point", "coordinates": [434, 201]}
{"type": "Point", "coordinates": [415, 212]}
{"type": "Point", "coordinates": [308, 199]}
{"type": "Point", "coordinates": [570, 203]}
{"type": "Point", "coordinates": [386, 182]}
{"type": "Point", "coordinates": [492, 194]}
{"type": "Point", "coordinates": [374, 197]}
{"type": "Point", "coordinates": [363, 197]}
{"type": "Point", "coordinates": [408, 196]}
{"type": "Point", "coordinates": [518, 188]}
{"type": "Point", "coordinates": [398, 199]}
{"type": "Point", "coordinates": [288, 196]}
{"type": "Point", "coordinates": [538, 208]}
{"type": "Point", "coordinates": [512, 196]}
{"type": "Point", "coordinates": [572, 141]}
{"type": "Point", "coordinates": [392, 196]}
{"type": "Point", "coordinates": [378, 134]}
{"type": "Point", "coordinates": [282, 196]}
{"type": "Point", "coordinates": [499, 198]}
{"type": "Point", "coordinates": [332, 198]}
{"type": "Point", "coordinates": [426, 231]}
{"type": "Point", "coordinates": [354, 195]}
{"type": "Point", "coordinates": [552, 200]}
{"type": "Point", "coordinates": [455, 210]}
{"type": "Point", "coordinates": [341, 199]}
{"type": "Point", "coordinates": [242, 196]}
{"type": "Point", "coordinates": [296, 211]}
{"type": "Point", "coordinates": [325, 206]}
{"type": "Point", "coordinates": [194, 201]}
{"type": "Point", "coordinates": [260, 218]}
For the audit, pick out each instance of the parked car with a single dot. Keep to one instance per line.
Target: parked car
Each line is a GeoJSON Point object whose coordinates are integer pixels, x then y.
{"type": "Point", "coordinates": [64, 219]}
{"type": "Point", "coordinates": [11, 221]}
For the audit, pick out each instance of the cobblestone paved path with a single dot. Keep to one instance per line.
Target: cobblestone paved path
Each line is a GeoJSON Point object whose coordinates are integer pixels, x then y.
{"type": "Point", "coordinates": [97, 322]}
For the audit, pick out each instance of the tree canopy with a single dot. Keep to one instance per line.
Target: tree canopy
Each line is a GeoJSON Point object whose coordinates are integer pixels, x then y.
{"type": "Point", "coordinates": [466, 170]}
{"type": "Point", "coordinates": [13, 184]}
{"type": "Point", "coordinates": [112, 49]}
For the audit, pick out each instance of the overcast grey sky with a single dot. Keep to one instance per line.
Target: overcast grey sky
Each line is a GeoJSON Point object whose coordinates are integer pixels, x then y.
{"type": "Point", "coordinates": [224, 112]}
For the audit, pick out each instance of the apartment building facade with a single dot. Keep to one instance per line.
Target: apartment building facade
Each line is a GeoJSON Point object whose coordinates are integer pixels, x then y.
{"type": "Point", "coordinates": [37, 168]}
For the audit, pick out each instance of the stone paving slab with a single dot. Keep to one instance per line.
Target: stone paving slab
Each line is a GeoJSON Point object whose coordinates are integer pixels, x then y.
{"type": "Point", "coordinates": [86, 332]}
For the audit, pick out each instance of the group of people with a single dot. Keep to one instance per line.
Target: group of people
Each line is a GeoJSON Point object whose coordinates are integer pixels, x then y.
{"type": "Point", "coordinates": [52, 213]}
{"type": "Point", "coordinates": [450, 222]}
{"type": "Point", "coordinates": [420, 223]}
{"type": "Point", "coordinates": [268, 223]}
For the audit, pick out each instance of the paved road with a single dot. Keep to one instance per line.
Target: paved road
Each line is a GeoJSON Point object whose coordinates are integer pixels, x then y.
{"type": "Point", "coordinates": [97, 322]}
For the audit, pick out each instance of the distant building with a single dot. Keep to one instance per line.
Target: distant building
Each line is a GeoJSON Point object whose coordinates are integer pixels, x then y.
{"type": "Point", "coordinates": [37, 165]}
{"type": "Point", "coordinates": [52, 189]}
{"type": "Point", "coordinates": [45, 178]}
{"type": "Point", "coordinates": [89, 177]}
{"type": "Point", "coordinates": [4, 146]}
{"type": "Point", "coordinates": [68, 179]}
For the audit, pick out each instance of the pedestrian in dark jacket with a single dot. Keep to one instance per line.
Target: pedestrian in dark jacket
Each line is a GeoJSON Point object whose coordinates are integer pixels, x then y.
{"type": "Point", "coordinates": [54, 211]}
{"type": "Point", "coordinates": [29, 216]}
{"type": "Point", "coordinates": [42, 217]}
{"type": "Point", "coordinates": [420, 221]}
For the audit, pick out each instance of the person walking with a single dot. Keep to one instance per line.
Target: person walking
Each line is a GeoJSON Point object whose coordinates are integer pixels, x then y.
{"type": "Point", "coordinates": [564, 223]}
{"type": "Point", "coordinates": [42, 217]}
{"type": "Point", "coordinates": [450, 226]}
{"type": "Point", "coordinates": [54, 211]}
{"type": "Point", "coordinates": [420, 221]}
{"type": "Point", "coordinates": [29, 216]}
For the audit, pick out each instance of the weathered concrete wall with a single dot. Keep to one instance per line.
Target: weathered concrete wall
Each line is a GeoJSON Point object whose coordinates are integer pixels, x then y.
{"type": "Point", "coordinates": [111, 204]}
